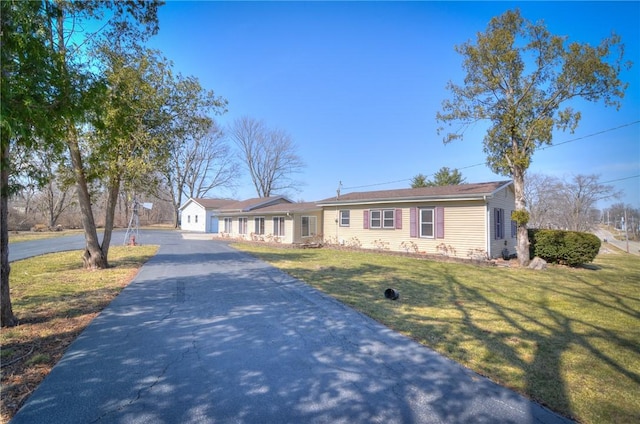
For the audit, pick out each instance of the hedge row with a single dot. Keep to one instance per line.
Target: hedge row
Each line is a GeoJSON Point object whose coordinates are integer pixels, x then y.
{"type": "Point", "coordinates": [563, 247]}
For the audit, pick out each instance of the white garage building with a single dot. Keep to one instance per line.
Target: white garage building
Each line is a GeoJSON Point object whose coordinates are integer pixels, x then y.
{"type": "Point", "coordinates": [201, 215]}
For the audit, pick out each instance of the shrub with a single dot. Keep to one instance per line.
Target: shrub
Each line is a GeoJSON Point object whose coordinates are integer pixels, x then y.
{"type": "Point", "coordinates": [563, 247]}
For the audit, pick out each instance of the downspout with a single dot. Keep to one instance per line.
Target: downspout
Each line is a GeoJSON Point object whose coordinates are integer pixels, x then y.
{"type": "Point", "coordinates": [487, 227]}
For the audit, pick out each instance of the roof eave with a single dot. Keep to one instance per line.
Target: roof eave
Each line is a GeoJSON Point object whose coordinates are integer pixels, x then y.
{"type": "Point", "coordinates": [451, 198]}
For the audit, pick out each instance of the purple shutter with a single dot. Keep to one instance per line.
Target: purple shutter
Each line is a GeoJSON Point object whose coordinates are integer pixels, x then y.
{"type": "Point", "coordinates": [365, 219]}
{"type": "Point", "coordinates": [398, 219]}
{"type": "Point", "coordinates": [439, 222]}
{"type": "Point", "coordinates": [413, 222]}
{"type": "Point", "coordinates": [499, 223]}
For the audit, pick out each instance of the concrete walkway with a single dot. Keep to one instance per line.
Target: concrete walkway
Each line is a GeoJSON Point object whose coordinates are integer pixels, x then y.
{"type": "Point", "coordinates": [206, 334]}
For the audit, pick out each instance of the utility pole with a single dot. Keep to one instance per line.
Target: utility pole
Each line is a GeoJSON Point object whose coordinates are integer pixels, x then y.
{"type": "Point", "coordinates": [626, 226]}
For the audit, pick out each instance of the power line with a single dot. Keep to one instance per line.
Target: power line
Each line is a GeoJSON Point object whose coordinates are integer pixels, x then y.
{"type": "Point", "coordinates": [620, 179]}
{"type": "Point", "coordinates": [589, 135]}
{"type": "Point", "coordinates": [542, 148]}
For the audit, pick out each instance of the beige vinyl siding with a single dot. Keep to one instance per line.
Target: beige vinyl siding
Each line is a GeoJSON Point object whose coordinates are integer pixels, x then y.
{"type": "Point", "coordinates": [297, 226]}
{"type": "Point", "coordinates": [464, 229]}
{"type": "Point", "coordinates": [504, 199]}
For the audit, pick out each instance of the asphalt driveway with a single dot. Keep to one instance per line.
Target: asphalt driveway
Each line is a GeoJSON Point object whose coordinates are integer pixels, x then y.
{"type": "Point", "coordinates": [207, 334]}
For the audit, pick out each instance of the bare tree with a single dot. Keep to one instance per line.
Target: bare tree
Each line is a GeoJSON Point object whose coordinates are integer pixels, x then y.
{"type": "Point", "coordinates": [569, 205]}
{"type": "Point", "coordinates": [208, 163]}
{"type": "Point", "coordinates": [578, 198]}
{"type": "Point", "coordinates": [54, 199]}
{"type": "Point", "coordinates": [540, 194]}
{"type": "Point", "coordinates": [199, 164]}
{"type": "Point", "coordinates": [623, 216]}
{"type": "Point", "coordinates": [269, 154]}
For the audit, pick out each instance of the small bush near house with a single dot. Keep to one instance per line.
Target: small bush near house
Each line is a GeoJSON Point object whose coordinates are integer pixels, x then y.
{"type": "Point", "coordinates": [563, 247]}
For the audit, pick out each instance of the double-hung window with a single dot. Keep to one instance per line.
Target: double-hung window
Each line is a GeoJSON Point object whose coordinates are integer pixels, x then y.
{"type": "Point", "coordinates": [426, 222]}
{"type": "Point", "coordinates": [227, 225]}
{"type": "Point", "coordinates": [259, 225]}
{"type": "Point", "coordinates": [242, 225]}
{"type": "Point", "coordinates": [388, 218]}
{"type": "Point", "coordinates": [309, 226]}
{"type": "Point", "coordinates": [345, 216]}
{"type": "Point", "coordinates": [278, 226]}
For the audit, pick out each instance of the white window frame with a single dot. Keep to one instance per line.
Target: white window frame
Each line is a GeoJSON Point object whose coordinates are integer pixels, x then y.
{"type": "Point", "coordinates": [380, 219]}
{"type": "Point", "coordinates": [389, 222]}
{"type": "Point", "coordinates": [375, 218]}
{"type": "Point", "coordinates": [422, 222]}
{"type": "Point", "coordinates": [258, 225]}
{"type": "Point", "coordinates": [345, 218]}
{"type": "Point", "coordinates": [243, 223]}
{"type": "Point", "coordinates": [311, 227]}
{"type": "Point", "coordinates": [228, 225]}
{"type": "Point", "coordinates": [278, 226]}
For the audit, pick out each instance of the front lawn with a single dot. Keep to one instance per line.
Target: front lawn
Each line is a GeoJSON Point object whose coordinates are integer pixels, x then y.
{"type": "Point", "coordinates": [55, 298]}
{"type": "Point", "coordinates": [568, 338]}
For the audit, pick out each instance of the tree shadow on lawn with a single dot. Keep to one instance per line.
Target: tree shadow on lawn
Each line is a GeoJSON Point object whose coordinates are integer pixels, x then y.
{"type": "Point", "coordinates": [550, 331]}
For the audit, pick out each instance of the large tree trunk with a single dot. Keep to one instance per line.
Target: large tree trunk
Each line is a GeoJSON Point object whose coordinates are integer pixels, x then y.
{"type": "Point", "coordinates": [93, 257]}
{"type": "Point", "coordinates": [112, 200]}
{"type": "Point", "coordinates": [176, 210]}
{"type": "Point", "coordinates": [522, 246]}
{"type": "Point", "coordinates": [7, 319]}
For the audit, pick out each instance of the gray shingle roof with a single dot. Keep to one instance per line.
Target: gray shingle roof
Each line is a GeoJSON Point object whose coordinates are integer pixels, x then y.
{"type": "Point", "coordinates": [213, 203]}
{"type": "Point", "coordinates": [461, 191]}
{"type": "Point", "coordinates": [255, 203]}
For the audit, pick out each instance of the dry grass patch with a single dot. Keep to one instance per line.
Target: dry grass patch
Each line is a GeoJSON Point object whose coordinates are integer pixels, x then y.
{"type": "Point", "coordinates": [568, 338]}
{"type": "Point", "coordinates": [55, 298]}
{"type": "Point", "coordinates": [20, 236]}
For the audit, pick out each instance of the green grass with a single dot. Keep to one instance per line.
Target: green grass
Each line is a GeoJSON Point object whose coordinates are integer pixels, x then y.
{"type": "Point", "coordinates": [55, 298]}
{"type": "Point", "coordinates": [568, 338]}
{"type": "Point", "coordinates": [58, 285]}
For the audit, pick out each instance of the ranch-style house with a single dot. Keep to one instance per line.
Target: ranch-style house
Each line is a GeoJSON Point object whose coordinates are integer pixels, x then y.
{"type": "Point", "coordinates": [465, 221]}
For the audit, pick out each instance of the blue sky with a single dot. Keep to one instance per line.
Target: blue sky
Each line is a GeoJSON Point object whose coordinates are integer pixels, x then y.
{"type": "Point", "coordinates": [358, 84]}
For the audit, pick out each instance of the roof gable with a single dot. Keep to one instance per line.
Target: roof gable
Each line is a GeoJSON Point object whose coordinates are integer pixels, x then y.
{"type": "Point", "coordinates": [208, 203]}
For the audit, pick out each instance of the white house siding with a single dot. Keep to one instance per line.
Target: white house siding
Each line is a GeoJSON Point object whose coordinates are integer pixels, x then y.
{"type": "Point", "coordinates": [464, 229]}
{"type": "Point", "coordinates": [193, 218]}
{"type": "Point", "coordinates": [505, 200]}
